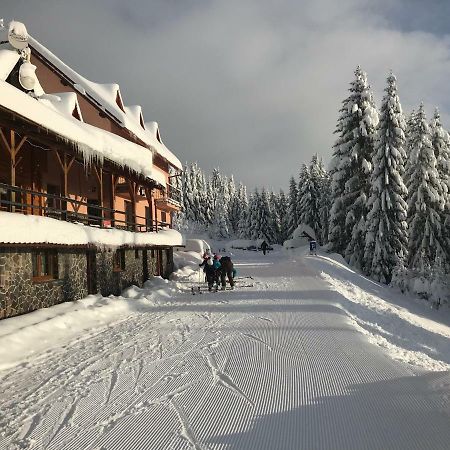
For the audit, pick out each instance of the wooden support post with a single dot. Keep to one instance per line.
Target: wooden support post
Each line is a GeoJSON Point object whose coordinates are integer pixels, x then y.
{"type": "Point", "coordinates": [66, 164]}
{"type": "Point", "coordinates": [148, 195]}
{"type": "Point", "coordinates": [115, 181]}
{"type": "Point", "coordinates": [13, 151]}
{"type": "Point", "coordinates": [99, 173]}
{"type": "Point", "coordinates": [132, 188]}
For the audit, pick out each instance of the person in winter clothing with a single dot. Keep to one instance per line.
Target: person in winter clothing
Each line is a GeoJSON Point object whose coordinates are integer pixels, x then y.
{"type": "Point", "coordinates": [227, 270]}
{"type": "Point", "coordinates": [211, 272]}
{"type": "Point", "coordinates": [264, 246]}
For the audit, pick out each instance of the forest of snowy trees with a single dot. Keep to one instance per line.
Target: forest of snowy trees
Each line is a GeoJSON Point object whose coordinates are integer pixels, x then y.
{"type": "Point", "coordinates": [384, 204]}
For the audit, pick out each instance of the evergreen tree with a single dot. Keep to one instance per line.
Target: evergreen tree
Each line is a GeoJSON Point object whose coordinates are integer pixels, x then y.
{"type": "Point", "coordinates": [325, 206]}
{"type": "Point", "coordinates": [253, 215]}
{"type": "Point", "coordinates": [310, 195]}
{"type": "Point", "coordinates": [425, 199]}
{"type": "Point", "coordinates": [275, 218]}
{"type": "Point", "coordinates": [386, 239]}
{"type": "Point", "coordinates": [303, 178]}
{"type": "Point", "coordinates": [292, 207]}
{"type": "Point", "coordinates": [282, 205]}
{"type": "Point", "coordinates": [243, 230]}
{"type": "Point", "coordinates": [351, 170]}
{"type": "Point", "coordinates": [441, 146]}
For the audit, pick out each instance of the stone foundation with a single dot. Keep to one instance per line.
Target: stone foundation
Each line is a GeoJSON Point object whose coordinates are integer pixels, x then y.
{"type": "Point", "coordinates": [20, 294]}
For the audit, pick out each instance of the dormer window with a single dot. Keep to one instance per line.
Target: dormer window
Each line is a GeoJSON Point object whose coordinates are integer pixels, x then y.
{"type": "Point", "coordinates": [158, 136]}
{"type": "Point", "coordinates": [76, 114]}
{"type": "Point", "coordinates": [141, 120]}
{"type": "Point", "coordinates": [119, 101]}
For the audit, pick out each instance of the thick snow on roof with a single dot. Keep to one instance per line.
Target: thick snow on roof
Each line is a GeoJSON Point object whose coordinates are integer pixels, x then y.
{"type": "Point", "coordinates": [105, 96]}
{"type": "Point", "coordinates": [20, 229]}
{"type": "Point", "coordinates": [134, 111]}
{"type": "Point", "coordinates": [8, 59]}
{"type": "Point", "coordinates": [92, 142]}
{"type": "Point", "coordinates": [63, 102]}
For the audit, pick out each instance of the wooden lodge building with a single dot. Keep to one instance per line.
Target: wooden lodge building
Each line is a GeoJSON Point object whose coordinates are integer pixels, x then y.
{"type": "Point", "coordinates": [87, 187]}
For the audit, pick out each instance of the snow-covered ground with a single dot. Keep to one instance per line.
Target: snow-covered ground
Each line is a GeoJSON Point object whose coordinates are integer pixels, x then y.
{"type": "Point", "coordinates": [306, 355]}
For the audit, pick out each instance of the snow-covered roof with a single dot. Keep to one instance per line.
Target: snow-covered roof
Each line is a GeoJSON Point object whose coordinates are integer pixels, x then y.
{"type": "Point", "coordinates": [94, 143]}
{"type": "Point", "coordinates": [105, 96]}
{"type": "Point", "coordinates": [8, 59]}
{"type": "Point", "coordinates": [64, 102]}
{"type": "Point", "coordinates": [15, 229]}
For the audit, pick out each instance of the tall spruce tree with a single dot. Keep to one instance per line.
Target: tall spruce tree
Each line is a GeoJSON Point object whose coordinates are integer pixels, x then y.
{"type": "Point", "coordinates": [441, 145]}
{"type": "Point", "coordinates": [292, 206]}
{"type": "Point", "coordinates": [425, 199]}
{"type": "Point", "coordinates": [387, 237]}
{"type": "Point", "coordinates": [351, 170]}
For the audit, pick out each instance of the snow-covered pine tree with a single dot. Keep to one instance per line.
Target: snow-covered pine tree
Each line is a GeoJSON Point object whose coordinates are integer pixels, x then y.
{"type": "Point", "coordinates": [253, 215]}
{"type": "Point", "coordinates": [266, 230]}
{"type": "Point", "coordinates": [292, 207]}
{"type": "Point", "coordinates": [441, 146]}
{"type": "Point", "coordinates": [221, 224]}
{"type": "Point", "coordinates": [188, 194]}
{"type": "Point", "coordinates": [303, 178]}
{"type": "Point", "coordinates": [309, 193]}
{"type": "Point", "coordinates": [351, 169]}
{"type": "Point", "coordinates": [387, 236]}
{"type": "Point", "coordinates": [243, 230]}
{"type": "Point", "coordinates": [281, 207]}
{"type": "Point", "coordinates": [235, 207]}
{"type": "Point", "coordinates": [425, 200]}
{"type": "Point", "coordinates": [324, 204]}
{"type": "Point", "coordinates": [411, 125]}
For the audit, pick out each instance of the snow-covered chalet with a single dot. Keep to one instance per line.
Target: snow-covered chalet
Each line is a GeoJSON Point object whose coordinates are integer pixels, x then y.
{"type": "Point", "coordinates": [87, 187]}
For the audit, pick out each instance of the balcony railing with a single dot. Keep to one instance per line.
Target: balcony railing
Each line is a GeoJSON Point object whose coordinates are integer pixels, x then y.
{"type": "Point", "coordinates": [173, 193]}
{"type": "Point", "coordinates": [27, 201]}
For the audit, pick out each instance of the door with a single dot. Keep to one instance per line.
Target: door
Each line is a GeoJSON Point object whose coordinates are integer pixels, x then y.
{"type": "Point", "coordinates": [145, 274]}
{"type": "Point", "coordinates": [91, 272]}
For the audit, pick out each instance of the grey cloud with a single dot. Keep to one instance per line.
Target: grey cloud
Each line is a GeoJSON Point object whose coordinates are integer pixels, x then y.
{"type": "Point", "coordinates": [251, 86]}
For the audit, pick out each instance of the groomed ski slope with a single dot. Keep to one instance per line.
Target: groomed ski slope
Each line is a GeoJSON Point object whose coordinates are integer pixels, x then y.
{"type": "Point", "coordinates": [282, 365]}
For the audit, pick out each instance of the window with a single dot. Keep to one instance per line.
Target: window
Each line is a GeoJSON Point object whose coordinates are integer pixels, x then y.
{"type": "Point", "coordinates": [45, 265]}
{"type": "Point", "coordinates": [148, 219]}
{"type": "Point", "coordinates": [136, 254]}
{"type": "Point", "coordinates": [119, 260]}
{"type": "Point", "coordinates": [163, 217]}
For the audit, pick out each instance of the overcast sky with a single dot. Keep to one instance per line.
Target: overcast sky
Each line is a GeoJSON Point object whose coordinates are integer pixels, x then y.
{"type": "Point", "coordinates": [250, 86]}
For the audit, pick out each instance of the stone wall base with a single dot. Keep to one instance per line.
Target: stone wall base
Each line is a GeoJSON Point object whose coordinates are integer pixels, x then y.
{"type": "Point", "coordinates": [79, 272]}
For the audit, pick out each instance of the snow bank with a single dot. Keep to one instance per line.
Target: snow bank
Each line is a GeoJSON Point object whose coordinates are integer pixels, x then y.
{"type": "Point", "coordinates": [196, 245]}
{"type": "Point", "coordinates": [21, 229]}
{"type": "Point", "coordinates": [407, 328]}
{"type": "Point", "coordinates": [300, 237]}
{"type": "Point", "coordinates": [92, 142]}
{"type": "Point", "coordinates": [29, 335]}
{"type": "Point", "coordinates": [24, 337]}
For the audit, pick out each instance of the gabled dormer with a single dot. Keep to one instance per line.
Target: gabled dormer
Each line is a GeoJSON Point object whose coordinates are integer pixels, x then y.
{"type": "Point", "coordinates": [134, 112]}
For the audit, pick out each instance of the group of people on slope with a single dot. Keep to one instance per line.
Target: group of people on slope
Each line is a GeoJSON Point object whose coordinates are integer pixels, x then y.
{"type": "Point", "coordinates": [217, 269]}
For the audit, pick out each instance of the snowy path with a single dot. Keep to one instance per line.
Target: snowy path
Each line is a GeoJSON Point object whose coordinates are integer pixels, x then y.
{"type": "Point", "coordinates": [278, 366]}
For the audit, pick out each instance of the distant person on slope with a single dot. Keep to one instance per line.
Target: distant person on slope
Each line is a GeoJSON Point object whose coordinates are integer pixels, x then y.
{"type": "Point", "coordinates": [264, 246]}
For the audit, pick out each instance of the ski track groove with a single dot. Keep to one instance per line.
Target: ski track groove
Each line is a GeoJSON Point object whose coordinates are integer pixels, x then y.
{"type": "Point", "coordinates": [217, 376]}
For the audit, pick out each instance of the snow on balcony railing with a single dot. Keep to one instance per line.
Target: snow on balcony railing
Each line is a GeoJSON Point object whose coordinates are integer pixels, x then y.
{"type": "Point", "coordinates": [27, 229]}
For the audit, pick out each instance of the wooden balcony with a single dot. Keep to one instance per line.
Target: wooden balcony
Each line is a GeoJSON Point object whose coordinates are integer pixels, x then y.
{"type": "Point", "coordinates": [170, 201]}
{"type": "Point", "coordinates": [25, 201]}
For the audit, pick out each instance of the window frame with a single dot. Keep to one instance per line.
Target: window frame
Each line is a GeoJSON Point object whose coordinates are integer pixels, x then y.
{"type": "Point", "coordinates": [50, 265]}
{"type": "Point", "coordinates": [119, 260]}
